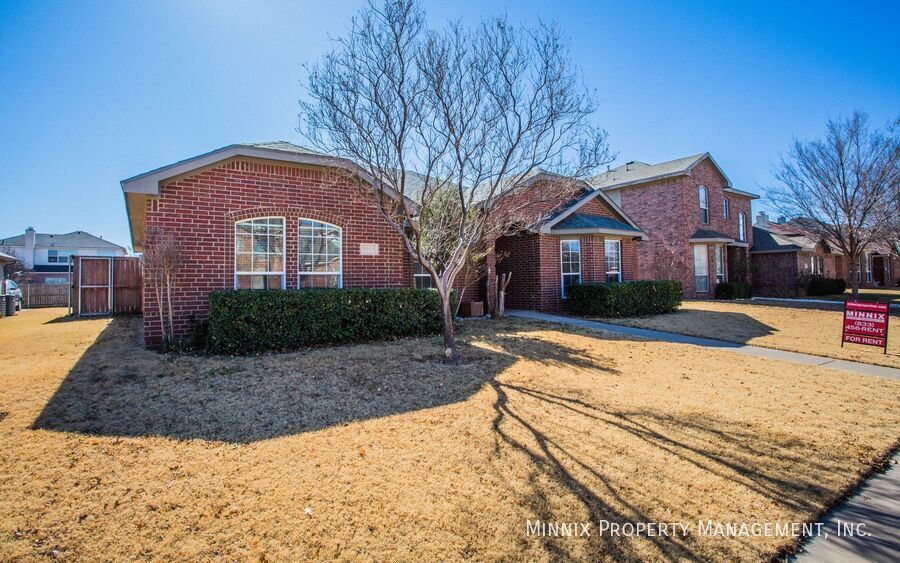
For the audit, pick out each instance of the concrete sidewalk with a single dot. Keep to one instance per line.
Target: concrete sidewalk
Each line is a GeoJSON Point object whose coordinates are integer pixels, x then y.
{"type": "Point", "coordinates": [745, 349]}
{"type": "Point", "coordinates": [872, 514]}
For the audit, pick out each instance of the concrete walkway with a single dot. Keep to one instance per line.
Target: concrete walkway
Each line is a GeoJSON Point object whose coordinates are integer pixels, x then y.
{"type": "Point", "coordinates": [872, 514]}
{"type": "Point", "coordinates": [745, 349]}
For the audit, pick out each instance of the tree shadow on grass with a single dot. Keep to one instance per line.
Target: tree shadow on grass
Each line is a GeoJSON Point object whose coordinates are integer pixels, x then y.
{"type": "Point", "coordinates": [538, 424]}
{"type": "Point", "coordinates": [117, 388]}
{"type": "Point", "coordinates": [719, 325]}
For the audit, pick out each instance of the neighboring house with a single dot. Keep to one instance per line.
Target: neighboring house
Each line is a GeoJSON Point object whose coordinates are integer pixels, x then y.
{"type": "Point", "coordinates": [785, 251]}
{"type": "Point", "coordinates": [46, 256]}
{"type": "Point", "coordinates": [697, 223]}
{"type": "Point", "coordinates": [267, 215]}
{"type": "Point", "coordinates": [5, 260]}
{"type": "Point", "coordinates": [586, 239]}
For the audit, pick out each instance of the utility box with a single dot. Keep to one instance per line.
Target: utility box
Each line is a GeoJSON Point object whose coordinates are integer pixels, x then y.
{"type": "Point", "coordinates": [472, 309]}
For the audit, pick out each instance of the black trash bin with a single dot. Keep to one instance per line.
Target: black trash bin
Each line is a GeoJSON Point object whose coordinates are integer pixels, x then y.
{"type": "Point", "coordinates": [10, 305]}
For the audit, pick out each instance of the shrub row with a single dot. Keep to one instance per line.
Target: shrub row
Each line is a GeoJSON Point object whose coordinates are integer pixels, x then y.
{"type": "Point", "coordinates": [629, 299]}
{"type": "Point", "coordinates": [818, 285]}
{"type": "Point", "coordinates": [242, 322]}
{"type": "Point", "coordinates": [734, 290]}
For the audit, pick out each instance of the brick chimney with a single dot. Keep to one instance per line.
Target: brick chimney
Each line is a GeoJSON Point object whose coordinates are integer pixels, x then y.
{"type": "Point", "coordinates": [29, 248]}
{"type": "Point", "coordinates": [762, 220]}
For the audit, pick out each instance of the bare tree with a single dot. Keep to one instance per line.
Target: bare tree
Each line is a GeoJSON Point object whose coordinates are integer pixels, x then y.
{"type": "Point", "coordinates": [447, 125]}
{"type": "Point", "coordinates": [842, 188]}
{"type": "Point", "coordinates": [162, 260]}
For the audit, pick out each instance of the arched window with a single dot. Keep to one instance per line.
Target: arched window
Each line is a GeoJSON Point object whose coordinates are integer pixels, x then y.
{"type": "Point", "coordinates": [259, 253]}
{"type": "Point", "coordinates": [320, 263]}
{"type": "Point", "coordinates": [726, 208]}
{"type": "Point", "coordinates": [742, 227]}
{"type": "Point", "coordinates": [704, 205]}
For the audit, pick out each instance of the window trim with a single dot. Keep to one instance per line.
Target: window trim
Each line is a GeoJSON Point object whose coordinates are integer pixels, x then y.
{"type": "Point", "coordinates": [726, 207]}
{"type": "Point", "coordinates": [742, 227]}
{"type": "Point", "coordinates": [284, 229]}
{"type": "Point", "coordinates": [705, 261]}
{"type": "Point", "coordinates": [703, 195]}
{"type": "Point", "coordinates": [562, 278]}
{"type": "Point", "coordinates": [340, 272]}
{"type": "Point", "coordinates": [426, 274]}
{"type": "Point", "coordinates": [719, 253]}
{"type": "Point", "coordinates": [618, 272]}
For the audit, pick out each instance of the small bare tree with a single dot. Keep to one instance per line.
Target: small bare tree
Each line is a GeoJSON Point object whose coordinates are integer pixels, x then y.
{"type": "Point", "coordinates": [163, 259]}
{"type": "Point", "coordinates": [447, 125]}
{"type": "Point", "coordinates": [842, 187]}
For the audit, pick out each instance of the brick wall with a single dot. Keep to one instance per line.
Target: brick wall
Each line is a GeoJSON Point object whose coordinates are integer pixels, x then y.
{"type": "Point", "coordinates": [202, 209]}
{"type": "Point", "coordinates": [668, 211]}
{"type": "Point", "coordinates": [775, 274]}
{"type": "Point", "coordinates": [535, 263]}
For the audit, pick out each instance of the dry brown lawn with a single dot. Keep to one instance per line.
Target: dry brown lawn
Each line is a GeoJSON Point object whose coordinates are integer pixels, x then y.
{"type": "Point", "coordinates": [796, 329]}
{"type": "Point", "coordinates": [377, 452]}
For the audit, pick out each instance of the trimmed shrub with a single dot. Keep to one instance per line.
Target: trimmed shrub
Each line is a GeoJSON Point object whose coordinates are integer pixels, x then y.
{"type": "Point", "coordinates": [629, 299]}
{"type": "Point", "coordinates": [734, 290]}
{"type": "Point", "coordinates": [818, 285]}
{"type": "Point", "coordinates": [243, 322]}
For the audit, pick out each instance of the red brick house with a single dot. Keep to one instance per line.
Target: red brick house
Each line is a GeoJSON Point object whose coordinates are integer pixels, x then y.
{"type": "Point", "coordinates": [267, 215]}
{"type": "Point", "coordinates": [783, 252]}
{"type": "Point", "coordinates": [697, 223]}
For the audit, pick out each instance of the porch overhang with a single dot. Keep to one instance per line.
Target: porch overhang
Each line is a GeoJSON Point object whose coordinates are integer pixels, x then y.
{"type": "Point", "coordinates": [707, 236]}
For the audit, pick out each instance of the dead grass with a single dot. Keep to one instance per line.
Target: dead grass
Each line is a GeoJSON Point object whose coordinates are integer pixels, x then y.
{"type": "Point", "coordinates": [796, 329]}
{"type": "Point", "coordinates": [881, 294]}
{"type": "Point", "coordinates": [112, 452]}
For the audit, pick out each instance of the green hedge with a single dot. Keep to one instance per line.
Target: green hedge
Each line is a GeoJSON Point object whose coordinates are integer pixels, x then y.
{"type": "Point", "coordinates": [734, 290]}
{"type": "Point", "coordinates": [818, 285]}
{"type": "Point", "coordinates": [242, 322]}
{"type": "Point", "coordinates": [629, 299]}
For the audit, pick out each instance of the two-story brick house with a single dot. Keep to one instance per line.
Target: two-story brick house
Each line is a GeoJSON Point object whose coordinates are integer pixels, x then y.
{"type": "Point", "coordinates": [697, 223]}
{"type": "Point", "coordinates": [270, 216]}
{"type": "Point", "coordinates": [46, 256]}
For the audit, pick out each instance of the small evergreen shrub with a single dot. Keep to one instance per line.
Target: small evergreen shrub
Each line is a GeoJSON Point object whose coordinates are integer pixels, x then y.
{"type": "Point", "coordinates": [818, 285]}
{"type": "Point", "coordinates": [734, 290]}
{"type": "Point", "coordinates": [629, 299]}
{"type": "Point", "coordinates": [243, 322]}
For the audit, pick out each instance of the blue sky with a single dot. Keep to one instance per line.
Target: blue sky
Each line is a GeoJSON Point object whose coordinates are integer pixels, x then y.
{"type": "Point", "coordinates": [94, 92]}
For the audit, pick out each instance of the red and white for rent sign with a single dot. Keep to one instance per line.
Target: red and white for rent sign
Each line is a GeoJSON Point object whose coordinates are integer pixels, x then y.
{"type": "Point", "coordinates": [866, 322]}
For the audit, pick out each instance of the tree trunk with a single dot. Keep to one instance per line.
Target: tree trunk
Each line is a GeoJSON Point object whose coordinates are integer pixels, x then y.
{"type": "Point", "coordinates": [451, 356]}
{"type": "Point", "coordinates": [854, 277]}
{"type": "Point", "coordinates": [169, 300]}
{"type": "Point", "coordinates": [162, 317]}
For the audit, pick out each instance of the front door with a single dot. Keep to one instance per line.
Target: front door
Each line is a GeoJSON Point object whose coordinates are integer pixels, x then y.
{"type": "Point", "coordinates": [878, 270]}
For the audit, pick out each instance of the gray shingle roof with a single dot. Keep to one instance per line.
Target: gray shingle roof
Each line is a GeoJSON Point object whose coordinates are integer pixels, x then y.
{"type": "Point", "coordinates": [701, 234]}
{"type": "Point", "coordinates": [585, 221]}
{"type": "Point", "coordinates": [283, 146]}
{"type": "Point", "coordinates": [75, 239]}
{"type": "Point", "coordinates": [767, 241]}
{"type": "Point", "coordinates": [638, 172]}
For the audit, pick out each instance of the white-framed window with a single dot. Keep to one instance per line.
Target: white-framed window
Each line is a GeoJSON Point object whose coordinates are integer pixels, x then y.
{"type": "Point", "coordinates": [816, 265]}
{"type": "Point", "coordinates": [704, 204]}
{"type": "Point", "coordinates": [612, 249]}
{"type": "Point", "coordinates": [56, 281]}
{"type": "Point", "coordinates": [726, 208]}
{"type": "Point", "coordinates": [259, 253]}
{"type": "Point", "coordinates": [570, 256]}
{"type": "Point", "coordinates": [868, 260]}
{"type": "Point", "coordinates": [55, 256]}
{"type": "Point", "coordinates": [320, 263]}
{"type": "Point", "coordinates": [421, 277]}
{"type": "Point", "coordinates": [720, 264]}
{"type": "Point", "coordinates": [742, 227]}
{"type": "Point", "coordinates": [701, 268]}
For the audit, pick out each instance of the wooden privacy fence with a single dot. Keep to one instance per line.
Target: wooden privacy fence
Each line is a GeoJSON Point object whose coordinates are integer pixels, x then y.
{"type": "Point", "coordinates": [105, 285]}
{"type": "Point", "coordinates": [44, 295]}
